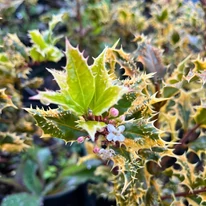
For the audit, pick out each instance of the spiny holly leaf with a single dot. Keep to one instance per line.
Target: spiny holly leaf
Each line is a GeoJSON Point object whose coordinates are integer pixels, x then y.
{"type": "Point", "coordinates": [140, 129]}
{"type": "Point", "coordinates": [83, 87]}
{"type": "Point", "coordinates": [134, 146]}
{"type": "Point", "coordinates": [11, 142]}
{"type": "Point", "coordinates": [91, 127]}
{"type": "Point", "coordinates": [41, 50]}
{"type": "Point", "coordinates": [178, 73]}
{"type": "Point", "coordinates": [105, 94]}
{"type": "Point", "coordinates": [80, 79]}
{"type": "Point", "coordinates": [59, 77]}
{"type": "Point", "coordinates": [188, 170]}
{"type": "Point", "coordinates": [61, 98]}
{"type": "Point", "coordinates": [5, 100]}
{"type": "Point", "coordinates": [61, 124]}
{"type": "Point", "coordinates": [125, 103]}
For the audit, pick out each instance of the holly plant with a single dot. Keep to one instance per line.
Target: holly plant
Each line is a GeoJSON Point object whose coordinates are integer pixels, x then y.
{"type": "Point", "coordinates": [131, 122]}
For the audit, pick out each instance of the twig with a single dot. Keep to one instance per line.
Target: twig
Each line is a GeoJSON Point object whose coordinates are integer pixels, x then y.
{"type": "Point", "coordinates": [184, 194]}
{"type": "Point", "coordinates": [189, 133]}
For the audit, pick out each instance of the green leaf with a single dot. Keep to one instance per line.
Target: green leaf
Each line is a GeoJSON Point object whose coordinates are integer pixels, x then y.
{"type": "Point", "coordinates": [109, 98]}
{"type": "Point", "coordinates": [200, 116]}
{"type": "Point", "coordinates": [22, 199]}
{"type": "Point", "coordinates": [53, 97]}
{"type": "Point", "coordinates": [106, 94]}
{"type": "Point", "coordinates": [91, 127]}
{"type": "Point", "coordinates": [79, 78]}
{"type": "Point", "coordinates": [61, 124]}
{"type": "Point", "coordinates": [125, 102]}
{"type": "Point", "coordinates": [83, 87]}
{"type": "Point", "coordinates": [37, 38]}
{"type": "Point", "coordinates": [42, 50]}
{"type": "Point", "coordinates": [59, 77]}
{"type": "Point", "coordinates": [163, 16]}
{"type": "Point", "coordinates": [3, 57]}
{"type": "Point", "coordinates": [52, 53]}
{"type": "Point", "coordinates": [200, 65]}
{"type": "Point", "coordinates": [169, 91]}
{"type": "Point", "coordinates": [140, 129]}
{"type": "Point", "coordinates": [175, 37]}
{"type": "Point", "coordinates": [101, 77]}
{"type": "Point", "coordinates": [30, 178]}
{"type": "Point", "coordinates": [44, 156]}
{"type": "Point", "coordinates": [62, 99]}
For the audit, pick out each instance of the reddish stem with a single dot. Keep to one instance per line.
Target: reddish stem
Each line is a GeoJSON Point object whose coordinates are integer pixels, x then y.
{"type": "Point", "coordinates": [184, 194]}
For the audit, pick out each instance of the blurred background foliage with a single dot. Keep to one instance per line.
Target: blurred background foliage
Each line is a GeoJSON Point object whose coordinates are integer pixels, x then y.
{"type": "Point", "coordinates": [32, 38]}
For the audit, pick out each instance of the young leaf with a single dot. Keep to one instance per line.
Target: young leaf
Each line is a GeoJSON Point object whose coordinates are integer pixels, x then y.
{"type": "Point", "coordinates": [37, 38]}
{"type": "Point", "coordinates": [79, 78]}
{"type": "Point", "coordinates": [106, 94]}
{"type": "Point", "coordinates": [63, 99]}
{"type": "Point", "coordinates": [57, 123]}
{"type": "Point", "coordinates": [91, 127]}
{"type": "Point", "coordinates": [42, 50]}
{"type": "Point", "coordinates": [110, 97]}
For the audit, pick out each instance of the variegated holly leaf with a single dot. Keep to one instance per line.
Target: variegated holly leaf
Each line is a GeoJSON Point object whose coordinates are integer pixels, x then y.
{"type": "Point", "coordinates": [84, 87]}
{"type": "Point", "coordinates": [178, 73]}
{"type": "Point", "coordinates": [200, 65]}
{"type": "Point", "coordinates": [200, 116]}
{"type": "Point", "coordinates": [12, 142]}
{"type": "Point", "coordinates": [41, 50]}
{"type": "Point", "coordinates": [91, 127]}
{"type": "Point", "coordinates": [5, 100]}
{"type": "Point", "coordinates": [139, 129]}
{"type": "Point", "coordinates": [56, 123]}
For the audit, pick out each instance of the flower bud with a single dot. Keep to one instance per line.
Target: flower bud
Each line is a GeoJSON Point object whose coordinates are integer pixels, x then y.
{"type": "Point", "coordinates": [113, 112]}
{"type": "Point", "coordinates": [96, 150]}
{"type": "Point", "coordinates": [80, 139]}
{"type": "Point", "coordinates": [122, 118]}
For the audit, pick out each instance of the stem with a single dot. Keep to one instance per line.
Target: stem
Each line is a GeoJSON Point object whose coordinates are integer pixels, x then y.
{"type": "Point", "coordinates": [188, 134]}
{"type": "Point", "coordinates": [184, 194]}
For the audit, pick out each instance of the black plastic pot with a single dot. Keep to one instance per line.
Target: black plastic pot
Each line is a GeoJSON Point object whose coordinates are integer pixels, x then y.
{"type": "Point", "coordinates": [78, 197]}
